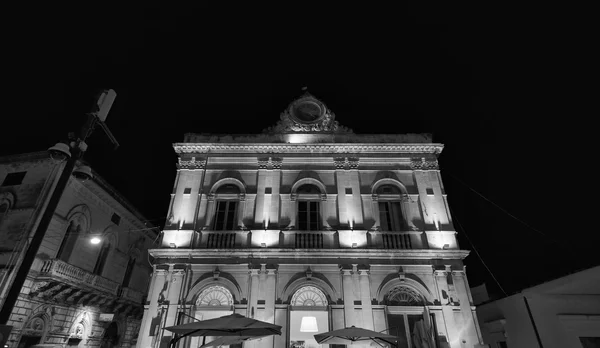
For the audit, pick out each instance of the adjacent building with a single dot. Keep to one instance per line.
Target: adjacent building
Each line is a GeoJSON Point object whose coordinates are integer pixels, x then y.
{"type": "Point", "coordinates": [564, 312]}
{"type": "Point", "coordinates": [312, 227]}
{"type": "Point", "coordinates": [87, 284]}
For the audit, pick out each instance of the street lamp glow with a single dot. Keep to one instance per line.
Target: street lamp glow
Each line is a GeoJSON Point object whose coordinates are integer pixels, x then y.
{"type": "Point", "coordinates": [95, 240]}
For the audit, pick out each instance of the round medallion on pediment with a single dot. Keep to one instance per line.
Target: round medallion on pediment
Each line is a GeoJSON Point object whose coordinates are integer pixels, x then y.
{"type": "Point", "coordinates": [307, 111]}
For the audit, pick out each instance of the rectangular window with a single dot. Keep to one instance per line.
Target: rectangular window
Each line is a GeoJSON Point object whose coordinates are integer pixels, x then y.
{"type": "Point", "coordinates": [225, 216]}
{"type": "Point", "coordinates": [348, 190]}
{"type": "Point", "coordinates": [268, 190]}
{"type": "Point", "coordinates": [14, 179]}
{"type": "Point", "coordinates": [187, 190]}
{"type": "Point", "coordinates": [390, 216]}
{"type": "Point", "coordinates": [308, 215]}
{"type": "Point", "coordinates": [116, 219]}
{"type": "Point", "coordinates": [429, 191]}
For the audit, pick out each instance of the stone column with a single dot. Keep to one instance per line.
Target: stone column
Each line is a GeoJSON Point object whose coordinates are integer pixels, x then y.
{"type": "Point", "coordinates": [375, 205]}
{"type": "Point", "coordinates": [260, 192]}
{"type": "Point", "coordinates": [441, 281]}
{"type": "Point", "coordinates": [365, 298]}
{"type": "Point", "coordinates": [340, 178]}
{"type": "Point", "coordinates": [152, 317]}
{"type": "Point", "coordinates": [253, 301]}
{"type": "Point", "coordinates": [269, 293]}
{"type": "Point", "coordinates": [470, 330]}
{"type": "Point", "coordinates": [210, 212]}
{"type": "Point", "coordinates": [348, 290]}
{"type": "Point", "coordinates": [175, 279]}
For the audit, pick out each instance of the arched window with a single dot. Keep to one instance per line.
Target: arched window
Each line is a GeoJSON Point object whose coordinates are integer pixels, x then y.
{"type": "Point", "coordinates": [101, 261]}
{"type": "Point", "coordinates": [68, 243]}
{"type": "Point", "coordinates": [227, 201]}
{"type": "Point", "coordinates": [6, 202]}
{"type": "Point", "coordinates": [3, 210]}
{"type": "Point", "coordinates": [389, 200]}
{"type": "Point", "coordinates": [128, 272]}
{"type": "Point", "coordinates": [309, 207]}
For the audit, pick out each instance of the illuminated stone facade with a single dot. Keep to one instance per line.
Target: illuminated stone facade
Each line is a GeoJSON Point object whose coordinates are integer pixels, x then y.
{"type": "Point", "coordinates": [72, 281]}
{"type": "Point", "coordinates": [305, 220]}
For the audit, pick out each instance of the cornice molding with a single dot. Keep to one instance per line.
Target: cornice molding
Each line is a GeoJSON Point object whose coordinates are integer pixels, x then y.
{"type": "Point", "coordinates": [184, 148]}
{"type": "Point", "coordinates": [329, 254]}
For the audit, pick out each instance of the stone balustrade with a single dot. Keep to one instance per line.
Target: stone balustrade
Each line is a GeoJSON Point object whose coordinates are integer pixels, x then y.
{"type": "Point", "coordinates": [62, 270]}
{"type": "Point", "coordinates": [296, 239]}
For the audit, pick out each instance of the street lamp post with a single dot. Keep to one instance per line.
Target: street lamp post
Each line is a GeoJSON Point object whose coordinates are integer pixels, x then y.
{"type": "Point", "coordinates": [76, 150]}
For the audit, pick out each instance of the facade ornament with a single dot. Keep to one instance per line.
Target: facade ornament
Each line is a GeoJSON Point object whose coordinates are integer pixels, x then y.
{"type": "Point", "coordinates": [191, 164]}
{"type": "Point", "coordinates": [423, 164]}
{"type": "Point", "coordinates": [308, 274]}
{"type": "Point", "coordinates": [216, 273]}
{"type": "Point", "coordinates": [307, 115]}
{"type": "Point", "coordinates": [346, 163]}
{"type": "Point", "coordinates": [39, 286]}
{"type": "Point", "coordinates": [270, 163]}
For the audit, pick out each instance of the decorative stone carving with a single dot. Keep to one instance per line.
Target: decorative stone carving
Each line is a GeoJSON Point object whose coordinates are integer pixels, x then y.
{"type": "Point", "coordinates": [423, 164]}
{"type": "Point", "coordinates": [404, 296]}
{"type": "Point", "coordinates": [346, 163]}
{"type": "Point", "coordinates": [215, 296]}
{"type": "Point", "coordinates": [307, 115]}
{"type": "Point", "coordinates": [270, 163]}
{"type": "Point", "coordinates": [191, 164]}
{"type": "Point", "coordinates": [37, 287]}
{"type": "Point", "coordinates": [309, 296]}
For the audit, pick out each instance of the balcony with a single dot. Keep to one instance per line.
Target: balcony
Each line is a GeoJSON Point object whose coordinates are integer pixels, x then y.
{"type": "Point", "coordinates": [57, 269]}
{"type": "Point", "coordinates": [297, 239]}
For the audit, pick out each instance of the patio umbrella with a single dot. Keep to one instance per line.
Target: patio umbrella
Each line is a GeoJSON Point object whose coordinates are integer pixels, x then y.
{"type": "Point", "coordinates": [229, 340]}
{"type": "Point", "coordinates": [229, 325]}
{"type": "Point", "coordinates": [355, 334]}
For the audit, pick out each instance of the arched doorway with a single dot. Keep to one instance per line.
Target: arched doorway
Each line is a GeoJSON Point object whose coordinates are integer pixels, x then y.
{"type": "Point", "coordinates": [110, 338]}
{"type": "Point", "coordinates": [408, 317]}
{"type": "Point", "coordinates": [308, 316]}
{"type": "Point", "coordinates": [212, 302]}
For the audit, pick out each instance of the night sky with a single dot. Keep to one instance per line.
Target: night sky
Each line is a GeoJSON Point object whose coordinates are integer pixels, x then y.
{"type": "Point", "coordinates": [492, 84]}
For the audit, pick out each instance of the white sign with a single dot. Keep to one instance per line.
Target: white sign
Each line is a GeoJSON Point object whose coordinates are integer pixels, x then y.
{"type": "Point", "coordinates": [106, 316]}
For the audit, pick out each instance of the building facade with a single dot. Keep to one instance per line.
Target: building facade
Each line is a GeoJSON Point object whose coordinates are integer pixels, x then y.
{"type": "Point", "coordinates": [564, 312]}
{"type": "Point", "coordinates": [77, 293]}
{"type": "Point", "coordinates": [309, 222]}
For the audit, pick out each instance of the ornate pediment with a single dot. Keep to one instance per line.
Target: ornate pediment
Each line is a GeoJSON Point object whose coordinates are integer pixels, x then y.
{"type": "Point", "coordinates": [307, 114]}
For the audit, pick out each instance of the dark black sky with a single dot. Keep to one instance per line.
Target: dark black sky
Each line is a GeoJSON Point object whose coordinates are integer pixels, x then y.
{"type": "Point", "coordinates": [498, 86]}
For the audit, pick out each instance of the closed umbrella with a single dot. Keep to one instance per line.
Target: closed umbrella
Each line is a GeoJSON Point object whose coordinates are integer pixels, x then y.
{"type": "Point", "coordinates": [355, 334]}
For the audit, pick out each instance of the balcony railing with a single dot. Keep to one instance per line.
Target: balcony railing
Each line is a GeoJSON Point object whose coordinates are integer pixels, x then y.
{"type": "Point", "coordinates": [296, 239]}
{"type": "Point", "coordinates": [62, 270]}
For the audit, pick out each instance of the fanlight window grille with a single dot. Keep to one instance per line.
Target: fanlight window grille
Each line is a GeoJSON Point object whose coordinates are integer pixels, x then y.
{"type": "Point", "coordinates": [309, 296]}
{"type": "Point", "coordinates": [215, 296]}
{"type": "Point", "coordinates": [404, 296]}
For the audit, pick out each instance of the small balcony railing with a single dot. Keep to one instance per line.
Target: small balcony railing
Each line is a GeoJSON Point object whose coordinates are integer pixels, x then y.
{"type": "Point", "coordinates": [61, 270]}
{"type": "Point", "coordinates": [396, 240]}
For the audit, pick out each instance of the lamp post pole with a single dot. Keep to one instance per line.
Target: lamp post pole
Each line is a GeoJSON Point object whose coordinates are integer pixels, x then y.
{"type": "Point", "coordinates": [77, 148]}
